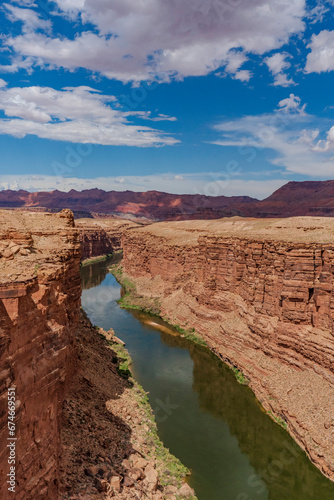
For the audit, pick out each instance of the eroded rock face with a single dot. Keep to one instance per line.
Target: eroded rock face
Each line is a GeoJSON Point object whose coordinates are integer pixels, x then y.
{"type": "Point", "coordinates": [39, 306]}
{"type": "Point", "coordinates": [102, 236]}
{"type": "Point", "coordinates": [261, 294]}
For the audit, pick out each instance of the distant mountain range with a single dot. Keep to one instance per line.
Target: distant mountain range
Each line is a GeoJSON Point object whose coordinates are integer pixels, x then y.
{"type": "Point", "coordinates": [315, 198]}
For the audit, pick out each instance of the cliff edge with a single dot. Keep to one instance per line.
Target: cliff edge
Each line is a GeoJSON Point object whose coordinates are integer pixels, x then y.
{"type": "Point", "coordinates": [39, 307]}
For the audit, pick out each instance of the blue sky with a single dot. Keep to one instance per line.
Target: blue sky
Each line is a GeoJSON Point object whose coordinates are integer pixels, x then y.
{"type": "Point", "coordinates": [218, 97]}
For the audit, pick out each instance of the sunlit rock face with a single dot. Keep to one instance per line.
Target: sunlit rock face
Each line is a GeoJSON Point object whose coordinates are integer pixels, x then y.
{"type": "Point", "coordinates": [39, 308]}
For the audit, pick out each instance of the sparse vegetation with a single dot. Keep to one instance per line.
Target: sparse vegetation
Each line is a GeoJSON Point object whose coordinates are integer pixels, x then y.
{"type": "Point", "coordinates": [124, 359]}
{"type": "Point", "coordinates": [100, 258]}
{"type": "Point", "coordinates": [132, 300]}
{"type": "Point", "coordinates": [278, 420]}
{"type": "Point", "coordinates": [190, 334]}
{"type": "Point", "coordinates": [240, 376]}
{"type": "Point", "coordinates": [170, 469]}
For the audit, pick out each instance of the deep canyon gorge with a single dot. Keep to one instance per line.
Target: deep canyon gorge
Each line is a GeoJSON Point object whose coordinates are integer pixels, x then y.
{"type": "Point", "coordinates": [259, 292]}
{"type": "Point", "coordinates": [80, 427]}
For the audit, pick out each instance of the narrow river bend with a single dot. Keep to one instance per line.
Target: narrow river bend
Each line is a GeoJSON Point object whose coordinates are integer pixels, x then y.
{"type": "Point", "coordinates": [211, 423]}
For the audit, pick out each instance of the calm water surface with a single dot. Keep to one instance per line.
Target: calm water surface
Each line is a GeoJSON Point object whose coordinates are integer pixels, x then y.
{"type": "Point", "coordinates": [210, 422]}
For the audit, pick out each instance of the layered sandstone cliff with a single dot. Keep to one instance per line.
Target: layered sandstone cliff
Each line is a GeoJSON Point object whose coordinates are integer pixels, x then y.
{"type": "Point", "coordinates": [39, 307]}
{"type": "Point", "coordinates": [261, 294]}
{"type": "Point", "coordinates": [101, 236]}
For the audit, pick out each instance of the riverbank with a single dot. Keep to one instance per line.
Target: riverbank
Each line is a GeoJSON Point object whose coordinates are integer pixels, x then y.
{"type": "Point", "coordinates": [213, 424]}
{"type": "Point", "coordinates": [120, 455]}
{"type": "Point", "coordinates": [100, 258]}
{"type": "Point", "coordinates": [133, 300]}
{"type": "Point", "coordinates": [262, 302]}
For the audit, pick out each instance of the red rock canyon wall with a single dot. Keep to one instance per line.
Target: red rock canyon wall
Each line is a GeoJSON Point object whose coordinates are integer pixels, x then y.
{"type": "Point", "coordinates": [39, 306]}
{"type": "Point", "coordinates": [261, 294]}
{"type": "Point", "coordinates": [101, 236]}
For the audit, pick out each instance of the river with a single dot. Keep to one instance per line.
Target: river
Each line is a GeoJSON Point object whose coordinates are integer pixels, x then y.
{"type": "Point", "coordinates": [214, 425]}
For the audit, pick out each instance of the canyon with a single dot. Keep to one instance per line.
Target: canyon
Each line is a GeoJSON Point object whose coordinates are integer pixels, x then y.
{"type": "Point", "coordinates": [260, 293]}
{"type": "Point", "coordinates": [74, 423]}
{"type": "Point", "coordinates": [311, 198]}
{"type": "Point", "coordinates": [101, 236]}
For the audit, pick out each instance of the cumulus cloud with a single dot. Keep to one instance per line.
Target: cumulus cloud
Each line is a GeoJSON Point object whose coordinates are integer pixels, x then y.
{"type": "Point", "coordinates": [278, 64]}
{"type": "Point", "coordinates": [199, 183]}
{"type": "Point", "coordinates": [292, 104]}
{"type": "Point", "coordinates": [327, 144]}
{"type": "Point", "coordinates": [232, 64]}
{"type": "Point", "coordinates": [292, 134]}
{"type": "Point", "coordinates": [244, 75]}
{"type": "Point", "coordinates": [321, 57]}
{"type": "Point", "coordinates": [74, 114]}
{"type": "Point", "coordinates": [155, 39]}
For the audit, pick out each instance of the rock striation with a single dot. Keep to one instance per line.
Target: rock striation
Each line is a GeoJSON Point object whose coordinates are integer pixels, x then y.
{"type": "Point", "coordinates": [261, 294]}
{"type": "Point", "coordinates": [39, 307]}
{"type": "Point", "coordinates": [101, 236]}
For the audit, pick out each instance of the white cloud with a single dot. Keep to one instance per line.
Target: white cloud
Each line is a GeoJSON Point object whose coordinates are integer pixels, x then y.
{"type": "Point", "coordinates": [277, 65]}
{"type": "Point", "coordinates": [317, 13]}
{"type": "Point", "coordinates": [233, 62]}
{"type": "Point", "coordinates": [30, 19]}
{"type": "Point", "coordinates": [147, 115]}
{"type": "Point", "coordinates": [321, 57]}
{"type": "Point", "coordinates": [199, 183]}
{"type": "Point", "coordinates": [244, 75]}
{"type": "Point", "coordinates": [290, 132]}
{"type": "Point", "coordinates": [292, 104]}
{"type": "Point", "coordinates": [74, 114]}
{"type": "Point", "coordinates": [325, 144]}
{"type": "Point", "coordinates": [16, 64]}
{"type": "Point", "coordinates": [140, 40]}
{"type": "Point", "coordinates": [25, 3]}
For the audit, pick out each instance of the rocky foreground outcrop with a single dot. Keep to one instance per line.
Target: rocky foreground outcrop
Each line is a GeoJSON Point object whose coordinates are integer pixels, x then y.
{"type": "Point", "coordinates": [39, 307]}
{"type": "Point", "coordinates": [101, 236]}
{"type": "Point", "coordinates": [261, 294]}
